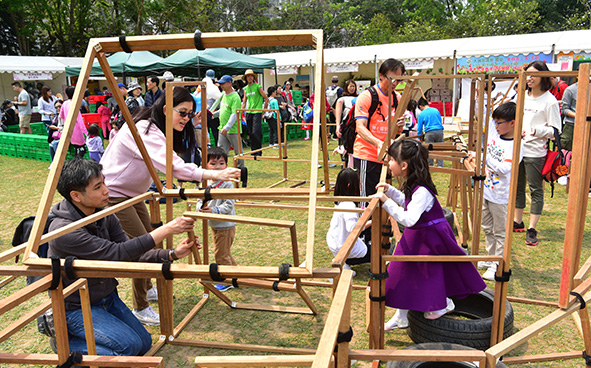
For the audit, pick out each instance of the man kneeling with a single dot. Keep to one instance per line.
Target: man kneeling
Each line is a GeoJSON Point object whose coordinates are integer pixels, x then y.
{"type": "Point", "coordinates": [117, 330]}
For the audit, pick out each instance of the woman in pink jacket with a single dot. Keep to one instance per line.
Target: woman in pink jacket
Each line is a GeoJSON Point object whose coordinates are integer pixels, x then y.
{"type": "Point", "coordinates": [127, 175]}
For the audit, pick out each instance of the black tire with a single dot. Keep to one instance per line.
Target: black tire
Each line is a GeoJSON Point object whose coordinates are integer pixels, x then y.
{"type": "Point", "coordinates": [436, 346]}
{"type": "Point", "coordinates": [469, 324]}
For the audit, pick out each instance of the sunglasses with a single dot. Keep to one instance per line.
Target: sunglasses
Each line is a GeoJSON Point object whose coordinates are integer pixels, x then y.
{"type": "Point", "coordinates": [185, 114]}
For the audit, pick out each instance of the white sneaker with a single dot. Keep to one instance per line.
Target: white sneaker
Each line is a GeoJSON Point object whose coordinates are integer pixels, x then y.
{"type": "Point", "coordinates": [152, 294]}
{"type": "Point", "coordinates": [147, 316]}
{"type": "Point", "coordinates": [347, 267]}
{"type": "Point", "coordinates": [395, 323]}
{"type": "Point", "coordinates": [483, 265]}
{"type": "Point", "coordinates": [490, 273]}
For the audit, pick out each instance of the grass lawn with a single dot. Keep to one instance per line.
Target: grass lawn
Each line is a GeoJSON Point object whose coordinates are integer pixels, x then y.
{"type": "Point", "coordinates": [536, 273]}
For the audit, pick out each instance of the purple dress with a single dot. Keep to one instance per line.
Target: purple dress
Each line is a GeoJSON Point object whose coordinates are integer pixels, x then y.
{"type": "Point", "coordinates": [423, 286]}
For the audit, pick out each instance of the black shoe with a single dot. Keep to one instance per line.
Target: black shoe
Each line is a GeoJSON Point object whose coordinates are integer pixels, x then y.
{"type": "Point", "coordinates": [531, 237]}
{"type": "Point", "coordinates": [518, 228]}
{"type": "Point", "coordinates": [53, 344]}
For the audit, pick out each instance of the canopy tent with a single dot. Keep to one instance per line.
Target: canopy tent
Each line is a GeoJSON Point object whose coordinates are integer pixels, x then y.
{"type": "Point", "coordinates": [223, 61]}
{"type": "Point", "coordinates": [121, 63]}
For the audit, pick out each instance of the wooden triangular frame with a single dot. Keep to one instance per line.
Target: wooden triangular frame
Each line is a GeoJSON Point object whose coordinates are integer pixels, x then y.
{"type": "Point", "coordinates": [97, 49]}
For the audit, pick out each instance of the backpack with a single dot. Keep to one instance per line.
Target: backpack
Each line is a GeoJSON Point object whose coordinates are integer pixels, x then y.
{"type": "Point", "coordinates": [557, 163]}
{"type": "Point", "coordinates": [348, 125]}
{"type": "Point", "coordinates": [332, 95]}
{"type": "Point", "coordinates": [307, 112]}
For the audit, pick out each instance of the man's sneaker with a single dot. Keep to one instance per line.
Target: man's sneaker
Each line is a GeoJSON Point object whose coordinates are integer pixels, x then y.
{"type": "Point", "coordinates": [484, 265]}
{"type": "Point", "coordinates": [152, 294]}
{"type": "Point", "coordinates": [490, 272]}
{"type": "Point", "coordinates": [518, 228]}
{"type": "Point", "coordinates": [222, 287]}
{"type": "Point", "coordinates": [531, 237]}
{"type": "Point", "coordinates": [147, 316]}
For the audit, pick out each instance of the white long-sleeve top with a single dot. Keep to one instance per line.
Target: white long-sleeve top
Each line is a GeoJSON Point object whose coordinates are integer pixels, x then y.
{"type": "Point", "coordinates": [543, 114]}
{"type": "Point", "coordinates": [421, 201]}
{"type": "Point", "coordinates": [341, 224]}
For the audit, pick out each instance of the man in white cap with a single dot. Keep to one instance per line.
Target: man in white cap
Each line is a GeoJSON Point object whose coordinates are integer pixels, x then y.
{"type": "Point", "coordinates": [253, 99]}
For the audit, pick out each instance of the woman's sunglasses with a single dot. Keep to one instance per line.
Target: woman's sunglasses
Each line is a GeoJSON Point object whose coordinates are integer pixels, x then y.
{"type": "Point", "coordinates": [185, 114]}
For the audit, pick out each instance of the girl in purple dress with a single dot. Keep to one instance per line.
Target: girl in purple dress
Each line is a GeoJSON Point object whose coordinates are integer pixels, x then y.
{"type": "Point", "coordinates": [422, 286]}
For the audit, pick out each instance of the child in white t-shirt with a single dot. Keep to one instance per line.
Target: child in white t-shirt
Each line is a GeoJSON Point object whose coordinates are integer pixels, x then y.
{"type": "Point", "coordinates": [497, 183]}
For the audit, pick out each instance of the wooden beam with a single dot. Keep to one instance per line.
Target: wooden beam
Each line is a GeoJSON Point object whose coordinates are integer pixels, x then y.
{"type": "Point", "coordinates": [93, 360]}
{"type": "Point", "coordinates": [255, 361]}
{"type": "Point", "coordinates": [239, 346]}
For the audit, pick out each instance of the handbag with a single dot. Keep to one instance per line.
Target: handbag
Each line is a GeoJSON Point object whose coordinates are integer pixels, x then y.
{"type": "Point", "coordinates": [56, 135]}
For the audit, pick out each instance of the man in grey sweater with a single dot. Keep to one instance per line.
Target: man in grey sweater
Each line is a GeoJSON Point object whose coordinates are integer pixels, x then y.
{"type": "Point", "coordinates": [117, 330]}
{"type": "Point", "coordinates": [569, 103]}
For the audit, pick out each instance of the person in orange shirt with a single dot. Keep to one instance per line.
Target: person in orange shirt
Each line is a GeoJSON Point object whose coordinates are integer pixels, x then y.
{"type": "Point", "coordinates": [372, 130]}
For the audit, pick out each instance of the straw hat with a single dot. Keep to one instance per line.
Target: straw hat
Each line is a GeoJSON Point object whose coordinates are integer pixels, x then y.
{"type": "Point", "coordinates": [249, 72]}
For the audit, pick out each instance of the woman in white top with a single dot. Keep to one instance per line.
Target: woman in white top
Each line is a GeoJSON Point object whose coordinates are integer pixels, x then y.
{"type": "Point", "coordinates": [541, 116]}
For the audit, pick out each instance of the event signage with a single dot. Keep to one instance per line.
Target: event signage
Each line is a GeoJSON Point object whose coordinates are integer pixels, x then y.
{"type": "Point", "coordinates": [282, 70]}
{"type": "Point", "coordinates": [32, 76]}
{"type": "Point", "coordinates": [419, 64]}
{"type": "Point", "coordinates": [498, 64]}
{"type": "Point", "coordinates": [343, 68]}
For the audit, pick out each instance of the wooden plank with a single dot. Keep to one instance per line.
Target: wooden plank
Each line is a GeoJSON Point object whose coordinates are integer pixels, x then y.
{"type": "Point", "coordinates": [239, 346]}
{"type": "Point", "coordinates": [345, 250]}
{"type": "Point", "coordinates": [156, 346]}
{"type": "Point", "coordinates": [502, 287]}
{"type": "Point", "coordinates": [272, 308]}
{"type": "Point", "coordinates": [255, 361]}
{"type": "Point", "coordinates": [338, 308]}
{"type": "Point", "coordinates": [525, 359]}
{"type": "Point", "coordinates": [60, 156]}
{"type": "Point", "coordinates": [532, 301]}
{"type": "Point", "coordinates": [240, 219]}
{"type": "Point", "coordinates": [102, 59]}
{"type": "Point", "coordinates": [443, 258]}
{"type": "Point", "coordinates": [7, 281]}
{"type": "Point", "coordinates": [87, 318]}
{"type": "Point", "coordinates": [296, 207]}
{"type": "Point", "coordinates": [533, 330]}
{"type": "Point", "coordinates": [59, 320]}
{"type": "Point", "coordinates": [215, 40]}
{"type": "Point", "coordinates": [577, 200]}
{"type": "Point", "coordinates": [165, 307]}
{"type": "Point", "coordinates": [103, 361]}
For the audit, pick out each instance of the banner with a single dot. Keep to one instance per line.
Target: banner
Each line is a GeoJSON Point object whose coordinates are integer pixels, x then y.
{"type": "Point", "coordinates": [498, 64]}
{"type": "Point", "coordinates": [281, 70]}
{"type": "Point", "coordinates": [419, 64]}
{"type": "Point", "coordinates": [343, 68]}
{"type": "Point", "coordinates": [565, 61]}
{"type": "Point", "coordinates": [32, 76]}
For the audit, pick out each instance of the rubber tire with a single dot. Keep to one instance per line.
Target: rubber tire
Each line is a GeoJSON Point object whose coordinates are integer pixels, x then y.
{"type": "Point", "coordinates": [473, 332]}
{"type": "Point", "coordinates": [436, 346]}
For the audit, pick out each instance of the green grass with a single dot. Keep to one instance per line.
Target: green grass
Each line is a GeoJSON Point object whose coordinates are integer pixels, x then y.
{"type": "Point", "coordinates": [536, 273]}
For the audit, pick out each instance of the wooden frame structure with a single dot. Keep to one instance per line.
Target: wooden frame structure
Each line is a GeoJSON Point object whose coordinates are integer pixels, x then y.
{"type": "Point", "coordinates": [338, 319]}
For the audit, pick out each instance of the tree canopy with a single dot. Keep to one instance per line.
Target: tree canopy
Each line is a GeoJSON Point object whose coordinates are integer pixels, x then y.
{"type": "Point", "coordinates": [63, 27]}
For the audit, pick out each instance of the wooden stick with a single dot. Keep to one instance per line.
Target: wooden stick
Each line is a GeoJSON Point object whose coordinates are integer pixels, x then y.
{"type": "Point", "coordinates": [239, 346]}
{"type": "Point", "coordinates": [102, 361]}
{"type": "Point", "coordinates": [87, 318]}
{"type": "Point", "coordinates": [24, 294]}
{"type": "Point", "coordinates": [542, 357]}
{"type": "Point", "coordinates": [417, 355]}
{"type": "Point", "coordinates": [189, 317]}
{"type": "Point", "coordinates": [194, 250]}
{"type": "Point", "coordinates": [7, 281]}
{"type": "Point", "coordinates": [255, 361]}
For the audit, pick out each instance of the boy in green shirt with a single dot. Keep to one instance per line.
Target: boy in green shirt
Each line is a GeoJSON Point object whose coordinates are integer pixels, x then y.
{"type": "Point", "coordinates": [253, 99]}
{"type": "Point", "coordinates": [272, 122]}
{"type": "Point", "coordinates": [228, 118]}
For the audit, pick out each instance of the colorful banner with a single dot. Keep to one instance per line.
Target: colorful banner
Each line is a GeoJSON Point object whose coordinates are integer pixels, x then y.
{"type": "Point", "coordinates": [498, 64]}
{"type": "Point", "coordinates": [565, 61]}
{"type": "Point", "coordinates": [343, 68]}
{"type": "Point", "coordinates": [32, 76]}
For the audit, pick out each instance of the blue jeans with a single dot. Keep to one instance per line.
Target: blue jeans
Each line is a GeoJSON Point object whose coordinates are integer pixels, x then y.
{"type": "Point", "coordinates": [53, 148]}
{"type": "Point", "coordinates": [116, 330]}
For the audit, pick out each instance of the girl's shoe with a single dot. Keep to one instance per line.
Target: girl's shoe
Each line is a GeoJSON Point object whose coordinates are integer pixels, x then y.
{"type": "Point", "coordinates": [306, 139]}
{"type": "Point", "coordinates": [440, 313]}
{"type": "Point", "coordinates": [395, 323]}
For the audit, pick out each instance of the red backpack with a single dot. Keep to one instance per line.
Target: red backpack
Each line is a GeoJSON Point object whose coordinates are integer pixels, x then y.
{"type": "Point", "coordinates": [557, 162]}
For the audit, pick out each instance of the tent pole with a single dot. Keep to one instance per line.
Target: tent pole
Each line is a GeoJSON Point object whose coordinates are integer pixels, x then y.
{"type": "Point", "coordinates": [276, 75]}
{"type": "Point", "coordinates": [454, 93]}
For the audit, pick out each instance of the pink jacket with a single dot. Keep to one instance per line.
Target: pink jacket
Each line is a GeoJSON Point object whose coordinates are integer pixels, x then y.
{"type": "Point", "coordinates": [126, 173]}
{"type": "Point", "coordinates": [79, 129]}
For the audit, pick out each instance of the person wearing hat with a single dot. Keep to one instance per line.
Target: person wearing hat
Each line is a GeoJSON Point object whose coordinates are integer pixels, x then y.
{"type": "Point", "coordinates": [253, 99]}
{"type": "Point", "coordinates": [135, 90]}
{"type": "Point", "coordinates": [228, 135]}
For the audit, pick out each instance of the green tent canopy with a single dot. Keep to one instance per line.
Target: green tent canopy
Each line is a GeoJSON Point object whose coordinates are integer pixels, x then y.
{"type": "Point", "coordinates": [193, 62]}
{"type": "Point", "coordinates": [133, 64]}
{"type": "Point", "coordinates": [190, 63]}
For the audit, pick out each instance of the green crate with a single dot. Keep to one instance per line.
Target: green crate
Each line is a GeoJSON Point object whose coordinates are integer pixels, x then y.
{"type": "Point", "coordinates": [39, 129]}
{"type": "Point", "coordinates": [297, 97]}
{"type": "Point", "coordinates": [92, 108]}
{"type": "Point", "coordinates": [13, 128]}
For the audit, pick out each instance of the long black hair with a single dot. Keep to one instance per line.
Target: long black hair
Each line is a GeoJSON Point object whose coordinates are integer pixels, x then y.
{"type": "Point", "coordinates": [348, 183]}
{"type": "Point", "coordinates": [416, 157]}
{"type": "Point", "coordinates": [182, 141]}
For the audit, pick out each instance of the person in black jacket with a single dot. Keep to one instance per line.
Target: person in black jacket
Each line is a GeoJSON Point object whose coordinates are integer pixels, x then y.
{"type": "Point", "coordinates": [117, 330]}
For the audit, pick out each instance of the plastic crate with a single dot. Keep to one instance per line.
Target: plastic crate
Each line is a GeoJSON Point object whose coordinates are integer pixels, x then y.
{"type": "Point", "coordinates": [93, 99]}
{"type": "Point", "coordinates": [92, 108]}
{"type": "Point", "coordinates": [13, 128]}
{"type": "Point", "coordinates": [39, 129]}
{"type": "Point", "coordinates": [91, 118]}
{"type": "Point", "coordinates": [297, 97]}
